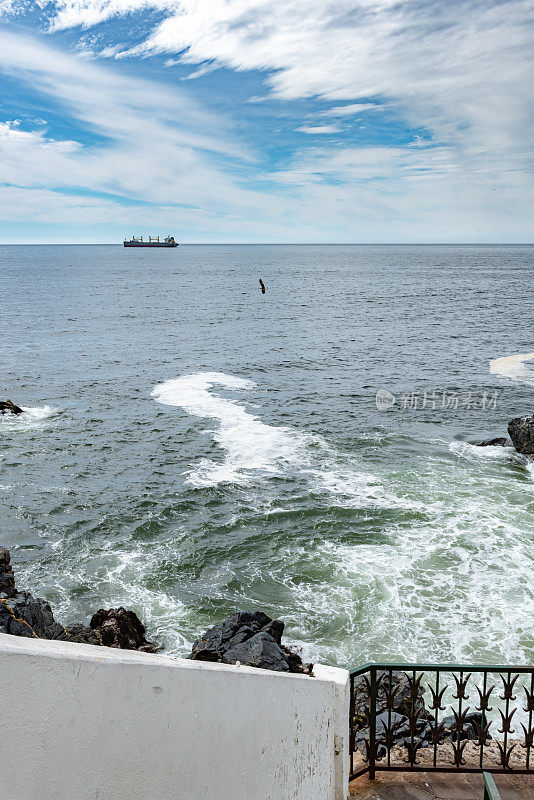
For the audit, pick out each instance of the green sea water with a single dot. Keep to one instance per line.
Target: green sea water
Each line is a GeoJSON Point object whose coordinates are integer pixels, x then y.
{"type": "Point", "coordinates": [192, 447]}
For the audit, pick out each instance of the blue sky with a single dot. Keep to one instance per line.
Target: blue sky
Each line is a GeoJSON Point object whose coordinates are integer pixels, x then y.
{"type": "Point", "coordinates": [246, 120]}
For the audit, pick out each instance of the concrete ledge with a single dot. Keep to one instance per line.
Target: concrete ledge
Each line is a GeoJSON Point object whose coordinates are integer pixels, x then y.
{"type": "Point", "coordinates": [90, 723]}
{"type": "Point", "coordinates": [340, 678]}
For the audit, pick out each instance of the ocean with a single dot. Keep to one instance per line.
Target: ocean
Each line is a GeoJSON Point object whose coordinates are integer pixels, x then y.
{"type": "Point", "coordinates": [192, 447]}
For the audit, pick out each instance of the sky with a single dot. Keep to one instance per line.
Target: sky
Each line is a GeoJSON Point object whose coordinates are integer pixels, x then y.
{"type": "Point", "coordinates": [255, 121]}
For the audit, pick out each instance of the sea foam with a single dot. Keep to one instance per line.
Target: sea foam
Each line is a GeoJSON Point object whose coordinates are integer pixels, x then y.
{"type": "Point", "coordinates": [514, 367]}
{"type": "Point", "coordinates": [33, 417]}
{"type": "Point", "coordinates": [256, 451]}
{"type": "Point", "coordinates": [252, 447]}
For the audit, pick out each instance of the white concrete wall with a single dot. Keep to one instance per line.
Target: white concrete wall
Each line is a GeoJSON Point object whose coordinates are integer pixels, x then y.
{"type": "Point", "coordinates": [87, 723]}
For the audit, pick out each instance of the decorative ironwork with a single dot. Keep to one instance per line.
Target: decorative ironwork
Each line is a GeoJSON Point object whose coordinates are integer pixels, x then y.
{"type": "Point", "coordinates": [443, 718]}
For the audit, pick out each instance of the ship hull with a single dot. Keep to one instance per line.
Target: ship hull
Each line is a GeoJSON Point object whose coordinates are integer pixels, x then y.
{"type": "Point", "coordinates": [151, 244]}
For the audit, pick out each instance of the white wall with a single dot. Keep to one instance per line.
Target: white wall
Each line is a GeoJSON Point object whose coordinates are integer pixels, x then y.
{"type": "Point", "coordinates": [87, 723]}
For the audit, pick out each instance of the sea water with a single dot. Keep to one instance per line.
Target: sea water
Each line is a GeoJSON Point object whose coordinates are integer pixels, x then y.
{"type": "Point", "coordinates": [191, 447]}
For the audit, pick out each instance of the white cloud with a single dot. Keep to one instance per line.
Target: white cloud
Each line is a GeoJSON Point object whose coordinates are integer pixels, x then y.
{"type": "Point", "coordinates": [9, 7]}
{"type": "Point", "coordinates": [350, 110]}
{"type": "Point", "coordinates": [86, 13]}
{"type": "Point", "coordinates": [462, 70]}
{"type": "Point", "coordinates": [154, 144]}
{"type": "Point", "coordinates": [406, 194]}
{"type": "Point", "coordinates": [12, 134]}
{"type": "Point", "coordinates": [199, 73]}
{"type": "Point", "coordinates": [319, 129]}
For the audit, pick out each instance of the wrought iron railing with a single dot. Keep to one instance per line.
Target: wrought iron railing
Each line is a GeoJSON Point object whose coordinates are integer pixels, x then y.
{"type": "Point", "coordinates": [442, 718]}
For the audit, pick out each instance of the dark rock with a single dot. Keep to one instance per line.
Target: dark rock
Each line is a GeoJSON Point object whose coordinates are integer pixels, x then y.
{"type": "Point", "coordinates": [521, 432]}
{"type": "Point", "coordinates": [84, 635]}
{"type": "Point", "coordinates": [275, 629]}
{"type": "Point", "coordinates": [295, 662]}
{"type": "Point", "coordinates": [393, 725]}
{"type": "Point", "coordinates": [260, 650]}
{"type": "Point", "coordinates": [361, 743]}
{"type": "Point", "coordinates": [21, 614]}
{"type": "Point", "coordinates": [122, 629]}
{"type": "Point", "coordinates": [25, 615]}
{"type": "Point", "coordinates": [399, 722]}
{"type": "Point", "coordinates": [7, 578]}
{"type": "Point", "coordinates": [400, 727]}
{"type": "Point", "coordinates": [233, 630]}
{"type": "Point", "coordinates": [470, 728]}
{"type": "Point", "coordinates": [206, 655]}
{"type": "Point", "coordinates": [252, 638]}
{"type": "Point", "coordinates": [499, 441]}
{"type": "Point", "coordinates": [424, 732]}
{"type": "Point", "coordinates": [396, 719]}
{"type": "Point", "coordinates": [7, 407]}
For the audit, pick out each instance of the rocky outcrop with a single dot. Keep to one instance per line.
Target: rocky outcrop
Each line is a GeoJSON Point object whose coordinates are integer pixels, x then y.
{"type": "Point", "coordinates": [521, 432]}
{"type": "Point", "coordinates": [398, 694]}
{"type": "Point", "coordinates": [499, 441]}
{"type": "Point", "coordinates": [7, 578]}
{"type": "Point", "coordinates": [121, 628]}
{"type": "Point", "coordinates": [21, 614]}
{"type": "Point", "coordinates": [7, 407]}
{"type": "Point", "coordinates": [25, 615]}
{"type": "Point", "coordinates": [251, 638]}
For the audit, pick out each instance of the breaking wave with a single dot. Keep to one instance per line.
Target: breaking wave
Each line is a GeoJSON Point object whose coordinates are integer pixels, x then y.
{"type": "Point", "coordinates": [424, 558]}
{"type": "Point", "coordinates": [32, 418]}
{"type": "Point", "coordinates": [472, 452]}
{"type": "Point", "coordinates": [255, 450]}
{"type": "Point", "coordinates": [251, 446]}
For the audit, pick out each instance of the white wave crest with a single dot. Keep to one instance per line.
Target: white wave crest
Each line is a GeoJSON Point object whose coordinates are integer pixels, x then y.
{"type": "Point", "coordinates": [514, 367]}
{"type": "Point", "coordinates": [32, 418]}
{"type": "Point", "coordinates": [476, 453]}
{"type": "Point", "coordinates": [251, 446]}
{"type": "Point", "coordinates": [489, 453]}
{"type": "Point", "coordinates": [256, 450]}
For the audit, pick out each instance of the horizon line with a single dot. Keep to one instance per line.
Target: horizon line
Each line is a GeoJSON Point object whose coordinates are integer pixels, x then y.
{"type": "Point", "coordinates": [277, 244]}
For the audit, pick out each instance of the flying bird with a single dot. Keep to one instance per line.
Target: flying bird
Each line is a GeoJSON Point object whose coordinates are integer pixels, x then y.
{"type": "Point", "coordinates": [262, 286]}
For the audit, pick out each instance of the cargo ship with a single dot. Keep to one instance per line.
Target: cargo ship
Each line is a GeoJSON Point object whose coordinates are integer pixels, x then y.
{"type": "Point", "coordinates": [153, 241]}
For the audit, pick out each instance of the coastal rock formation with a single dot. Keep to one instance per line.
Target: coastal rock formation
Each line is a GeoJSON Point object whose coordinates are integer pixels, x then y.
{"type": "Point", "coordinates": [7, 578]}
{"type": "Point", "coordinates": [7, 407]}
{"type": "Point", "coordinates": [21, 614]}
{"type": "Point", "coordinates": [499, 441]}
{"type": "Point", "coordinates": [397, 693]}
{"type": "Point", "coordinates": [252, 638]}
{"type": "Point", "coordinates": [521, 432]}
{"type": "Point", "coordinates": [25, 615]}
{"type": "Point", "coordinates": [121, 628]}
